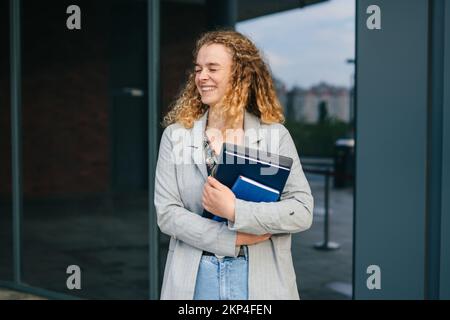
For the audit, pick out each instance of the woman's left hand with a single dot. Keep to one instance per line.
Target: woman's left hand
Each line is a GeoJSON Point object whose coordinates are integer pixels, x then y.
{"type": "Point", "coordinates": [218, 199]}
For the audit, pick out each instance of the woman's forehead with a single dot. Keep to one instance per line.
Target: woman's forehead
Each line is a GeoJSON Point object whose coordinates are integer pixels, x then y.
{"type": "Point", "coordinates": [213, 54]}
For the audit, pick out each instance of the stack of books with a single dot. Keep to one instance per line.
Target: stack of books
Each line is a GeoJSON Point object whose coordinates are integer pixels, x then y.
{"type": "Point", "coordinates": [252, 175]}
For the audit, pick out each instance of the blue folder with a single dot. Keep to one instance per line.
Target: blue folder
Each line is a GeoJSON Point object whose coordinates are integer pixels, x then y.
{"type": "Point", "coordinates": [250, 190]}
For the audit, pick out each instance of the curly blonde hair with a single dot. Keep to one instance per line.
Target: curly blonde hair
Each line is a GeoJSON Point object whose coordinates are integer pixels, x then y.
{"type": "Point", "coordinates": [251, 85]}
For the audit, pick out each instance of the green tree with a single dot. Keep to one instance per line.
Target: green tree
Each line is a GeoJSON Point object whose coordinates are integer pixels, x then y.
{"type": "Point", "coordinates": [317, 139]}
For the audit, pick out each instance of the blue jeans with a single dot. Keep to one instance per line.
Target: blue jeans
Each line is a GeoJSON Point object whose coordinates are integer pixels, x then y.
{"type": "Point", "coordinates": [222, 279]}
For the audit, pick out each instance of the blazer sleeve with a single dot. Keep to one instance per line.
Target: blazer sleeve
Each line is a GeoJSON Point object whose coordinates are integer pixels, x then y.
{"type": "Point", "coordinates": [174, 219]}
{"type": "Point", "coordinates": [293, 213]}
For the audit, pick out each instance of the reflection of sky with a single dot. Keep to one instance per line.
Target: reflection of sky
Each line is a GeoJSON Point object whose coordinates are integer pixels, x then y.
{"type": "Point", "coordinates": [309, 45]}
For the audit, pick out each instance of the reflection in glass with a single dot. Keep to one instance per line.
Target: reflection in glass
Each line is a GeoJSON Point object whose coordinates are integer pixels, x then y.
{"type": "Point", "coordinates": [84, 128]}
{"type": "Point", "coordinates": [6, 260]}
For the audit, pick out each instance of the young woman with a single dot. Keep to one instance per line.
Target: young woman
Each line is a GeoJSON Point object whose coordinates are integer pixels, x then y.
{"type": "Point", "coordinates": [229, 97]}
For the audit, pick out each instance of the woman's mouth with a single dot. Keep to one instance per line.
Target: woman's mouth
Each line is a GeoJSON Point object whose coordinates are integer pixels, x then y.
{"type": "Point", "coordinates": [207, 89]}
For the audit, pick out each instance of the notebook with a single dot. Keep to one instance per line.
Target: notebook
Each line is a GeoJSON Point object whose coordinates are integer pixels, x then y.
{"type": "Point", "coordinates": [251, 190]}
{"type": "Point", "coordinates": [268, 169]}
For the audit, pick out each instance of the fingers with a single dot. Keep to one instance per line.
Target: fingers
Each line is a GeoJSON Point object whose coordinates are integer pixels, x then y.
{"type": "Point", "coordinates": [206, 190]}
{"type": "Point", "coordinates": [250, 239]}
{"type": "Point", "coordinates": [211, 191]}
{"type": "Point", "coordinates": [214, 183]}
{"type": "Point", "coordinates": [205, 196]}
{"type": "Point", "coordinates": [265, 237]}
{"type": "Point", "coordinates": [208, 196]}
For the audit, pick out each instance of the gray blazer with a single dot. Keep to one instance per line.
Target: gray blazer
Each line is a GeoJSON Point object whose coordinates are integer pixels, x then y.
{"type": "Point", "coordinates": [180, 176]}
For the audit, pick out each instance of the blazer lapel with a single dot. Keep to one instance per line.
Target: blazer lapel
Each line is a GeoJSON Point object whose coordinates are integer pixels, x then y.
{"type": "Point", "coordinates": [197, 144]}
{"type": "Point", "coordinates": [254, 136]}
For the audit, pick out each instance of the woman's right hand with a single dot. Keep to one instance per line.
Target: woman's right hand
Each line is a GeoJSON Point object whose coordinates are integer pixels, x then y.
{"type": "Point", "coordinates": [249, 239]}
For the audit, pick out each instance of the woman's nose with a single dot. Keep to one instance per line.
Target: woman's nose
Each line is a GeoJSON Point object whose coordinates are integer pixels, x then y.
{"type": "Point", "coordinates": [203, 75]}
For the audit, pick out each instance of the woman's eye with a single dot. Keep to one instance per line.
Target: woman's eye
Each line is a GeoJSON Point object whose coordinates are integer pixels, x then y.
{"type": "Point", "coordinates": [197, 70]}
{"type": "Point", "coordinates": [212, 70]}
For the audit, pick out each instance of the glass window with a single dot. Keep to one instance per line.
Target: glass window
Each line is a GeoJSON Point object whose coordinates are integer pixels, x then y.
{"type": "Point", "coordinates": [85, 148]}
{"type": "Point", "coordinates": [312, 66]}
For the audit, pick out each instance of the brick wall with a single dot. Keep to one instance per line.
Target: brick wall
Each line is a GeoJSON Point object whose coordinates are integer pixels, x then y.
{"type": "Point", "coordinates": [64, 102]}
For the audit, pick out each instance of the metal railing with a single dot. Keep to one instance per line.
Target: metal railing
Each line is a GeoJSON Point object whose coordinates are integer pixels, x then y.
{"type": "Point", "coordinates": [327, 172]}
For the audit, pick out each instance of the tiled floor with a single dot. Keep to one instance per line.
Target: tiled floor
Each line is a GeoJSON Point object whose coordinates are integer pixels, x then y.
{"type": "Point", "coordinates": [6, 294]}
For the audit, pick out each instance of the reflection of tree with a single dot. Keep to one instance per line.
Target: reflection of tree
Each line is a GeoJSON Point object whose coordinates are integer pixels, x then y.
{"type": "Point", "coordinates": [318, 139]}
{"type": "Point", "coordinates": [323, 112]}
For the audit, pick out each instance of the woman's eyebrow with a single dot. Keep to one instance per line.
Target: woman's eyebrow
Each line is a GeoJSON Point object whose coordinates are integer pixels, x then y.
{"type": "Point", "coordinates": [209, 64]}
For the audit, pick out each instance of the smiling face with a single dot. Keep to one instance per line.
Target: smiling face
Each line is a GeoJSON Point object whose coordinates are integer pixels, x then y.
{"type": "Point", "coordinates": [213, 73]}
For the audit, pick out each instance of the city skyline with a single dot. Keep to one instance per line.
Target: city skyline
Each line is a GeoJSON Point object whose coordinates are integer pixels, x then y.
{"type": "Point", "coordinates": [303, 104]}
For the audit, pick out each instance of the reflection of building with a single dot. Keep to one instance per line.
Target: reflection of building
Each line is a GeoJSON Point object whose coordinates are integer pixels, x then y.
{"type": "Point", "coordinates": [304, 104]}
{"type": "Point", "coordinates": [296, 101]}
{"type": "Point", "coordinates": [281, 91]}
{"type": "Point", "coordinates": [77, 172]}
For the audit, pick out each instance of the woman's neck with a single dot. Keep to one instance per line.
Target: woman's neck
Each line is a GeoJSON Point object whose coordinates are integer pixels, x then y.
{"type": "Point", "coordinates": [217, 121]}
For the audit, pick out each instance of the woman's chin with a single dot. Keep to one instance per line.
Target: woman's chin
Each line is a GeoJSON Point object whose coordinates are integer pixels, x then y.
{"type": "Point", "coordinates": [209, 102]}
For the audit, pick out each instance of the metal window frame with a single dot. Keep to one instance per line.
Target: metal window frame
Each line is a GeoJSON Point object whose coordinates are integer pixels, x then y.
{"type": "Point", "coordinates": [153, 18]}
{"type": "Point", "coordinates": [434, 147]}
{"type": "Point", "coordinates": [16, 152]}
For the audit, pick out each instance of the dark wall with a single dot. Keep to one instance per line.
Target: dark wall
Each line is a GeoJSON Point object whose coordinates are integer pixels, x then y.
{"type": "Point", "coordinates": [445, 192]}
{"type": "Point", "coordinates": [402, 216]}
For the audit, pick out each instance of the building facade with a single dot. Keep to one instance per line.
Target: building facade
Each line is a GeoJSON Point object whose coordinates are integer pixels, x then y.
{"type": "Point", "coordinates": [305, 103]}
{"type": "Point", "coordinates": [80, 114]}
